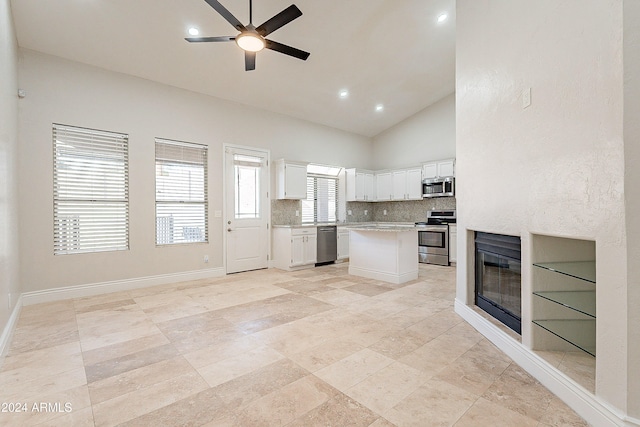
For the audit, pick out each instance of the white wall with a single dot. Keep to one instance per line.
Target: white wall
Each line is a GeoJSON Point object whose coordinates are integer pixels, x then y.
{"type": "Point", "coordinates": [9, 283]}
{"type": "Point", "coordinates": [61, 91]}
{"type": "Point", "coordinates": [556, 167]}
{"type": "Point", "coordinates": [428, 135]}
{"type": "Point", "coordinates": [632, 178]}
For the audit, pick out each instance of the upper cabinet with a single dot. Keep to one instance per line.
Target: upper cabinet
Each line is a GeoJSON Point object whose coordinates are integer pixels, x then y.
{"type": "Point", "coordinates": [360, 186]}
{"type": "Point", "coordinates": [394, 185]}
{"type": "Point", "coordinates": [441, 168]}
{"type": "Point", "coordinates": [291, 180]}
{"type": "Point", "coordinates": [414, 184]}
{"type": "Point", "coordinates": [384, 186]}
{"type": "Point", "coordinates": [407, 184]}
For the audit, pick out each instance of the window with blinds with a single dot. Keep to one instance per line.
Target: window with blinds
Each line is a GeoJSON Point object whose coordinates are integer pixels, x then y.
{"type": "Point", "coordinates": [90, 190]}
{"type": "Point", "coordinates": [181, 192]}
{"type": "Point", "coordinates": [321, 204]}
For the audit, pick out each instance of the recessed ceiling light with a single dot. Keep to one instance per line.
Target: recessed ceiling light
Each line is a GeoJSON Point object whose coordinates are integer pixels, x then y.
{"type": "Point", "coordinates": [379, 107]}
{"type": "Point", "coordinates": [194, 31]}
{"type": "Point", "coordinates": [443, 17]}
{"type": "Point", "coordinates": [344, 93]}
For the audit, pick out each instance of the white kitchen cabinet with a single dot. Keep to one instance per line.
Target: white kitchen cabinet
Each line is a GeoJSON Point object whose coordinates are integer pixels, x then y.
{"type": "Point", "coordinates": [441, 168]}
{"type": "Point", "coordinates": [446, 168]}
{"type": "Point", "coordinates": [453, 243]}
{"type": "Point", "coordinates": [384, 187]}
{"type": "Point", "coordinates": [303, 249]}
{"type": "Point", "coordinates": [294, 248]}
{"type": "Point", "coordinates": [360, 186]}
{"type": "Point", "coordinates": [291, 180]}
{"type": "Point", "coordinates": [429, 170]}
{"type": "Point", "coordinates": [414, 184]}
{"type": "Point", "coordinates": [407, 184]}
{"type": "Point", "coordinates": [343, 243]}
{"type": "Point", "coordinates": [399, 185]}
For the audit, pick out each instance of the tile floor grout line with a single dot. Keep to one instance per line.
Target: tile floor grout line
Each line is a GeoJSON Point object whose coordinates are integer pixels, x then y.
{"type": "Point", "coordinates": [362, 326]}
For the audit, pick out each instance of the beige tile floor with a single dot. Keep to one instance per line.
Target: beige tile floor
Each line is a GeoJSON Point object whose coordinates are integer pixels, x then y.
{"type": "Point", "coordinates": [268, 348]}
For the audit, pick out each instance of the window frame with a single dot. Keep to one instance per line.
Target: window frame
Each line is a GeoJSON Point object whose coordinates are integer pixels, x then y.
{"type": "Point", "coordinates": [205, 192]}
{"type": "Point", "coordinates": [314, 177]}
{"type": "Point", "coordinates": [76, 150]}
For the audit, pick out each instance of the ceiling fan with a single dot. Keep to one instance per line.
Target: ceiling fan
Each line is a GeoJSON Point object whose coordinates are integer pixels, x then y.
{"type": "Point", "coordinates": [252, 39]}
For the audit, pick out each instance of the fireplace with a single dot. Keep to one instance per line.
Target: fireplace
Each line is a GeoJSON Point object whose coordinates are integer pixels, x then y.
{"type": "Point", "coordinates": [498, 282]}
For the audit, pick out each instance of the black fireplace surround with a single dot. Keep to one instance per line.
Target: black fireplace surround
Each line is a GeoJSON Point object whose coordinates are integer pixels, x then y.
{"type": "Point", "coordinates": [498, 277]}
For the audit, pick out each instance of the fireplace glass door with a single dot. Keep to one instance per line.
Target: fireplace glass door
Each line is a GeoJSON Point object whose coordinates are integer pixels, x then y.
{"type": "Point", "coordinates": [498, 278]}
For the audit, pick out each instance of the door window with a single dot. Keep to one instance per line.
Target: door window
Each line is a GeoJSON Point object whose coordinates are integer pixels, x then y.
{"type": "Point", "coordinates": [247, 186]}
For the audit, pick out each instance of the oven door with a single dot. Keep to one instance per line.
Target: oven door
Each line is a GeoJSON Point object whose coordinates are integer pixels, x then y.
{"type": "Point", "coordinates": [434, 238]}
{"type": "Point", "coordinates": [433, 244]}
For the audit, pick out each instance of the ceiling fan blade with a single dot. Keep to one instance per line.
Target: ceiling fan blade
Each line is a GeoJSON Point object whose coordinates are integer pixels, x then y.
{"type": "Point", "coordinates": [226, 14]}
{"type": "Point", "coordinates": [210, 39]}
{"type": "Point", "coordinates": [281, 19]}
{"type": "Point", "coordinates": [287, 50]}
{"type": "Point", "coordinates": [249, 61]}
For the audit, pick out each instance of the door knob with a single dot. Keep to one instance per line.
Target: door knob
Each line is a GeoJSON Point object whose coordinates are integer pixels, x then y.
{"type": "Point", "coordinates": [228, 229]}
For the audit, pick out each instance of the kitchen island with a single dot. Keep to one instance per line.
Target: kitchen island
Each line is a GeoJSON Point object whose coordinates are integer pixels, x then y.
{"type": "Point", "coordinates": [384, 252]}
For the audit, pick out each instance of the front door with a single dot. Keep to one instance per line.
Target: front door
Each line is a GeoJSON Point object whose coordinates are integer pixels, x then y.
{"type": "Point", "coordinates": [247, 208]}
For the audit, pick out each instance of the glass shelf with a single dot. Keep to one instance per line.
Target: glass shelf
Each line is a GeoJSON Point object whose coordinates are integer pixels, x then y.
{"type": "Point", "coordinates": [575, 332]}
{"type": "Point", "coordinates": [581, 301]}
{"type": "Point", "coordinates": [583, 270]}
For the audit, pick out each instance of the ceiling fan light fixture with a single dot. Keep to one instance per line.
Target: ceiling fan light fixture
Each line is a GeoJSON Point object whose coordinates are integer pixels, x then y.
{"type": "Point", "coordinates": [251, 42]}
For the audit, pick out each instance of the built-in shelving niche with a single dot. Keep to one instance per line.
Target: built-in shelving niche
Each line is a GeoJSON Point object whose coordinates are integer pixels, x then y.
{"type": "Point", "coordinates": [564, 305]}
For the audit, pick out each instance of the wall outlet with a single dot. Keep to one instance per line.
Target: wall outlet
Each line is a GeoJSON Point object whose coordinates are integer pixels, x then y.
{"type": "Point", "coordinates": [366, 212]}
{"type": "Point", "coordinates": [217, 214]}
{"type": "Point", "coordinates": [349, 212]}
{"type": "Point", "coordinates": [384, 212]}
{"type": "Point", "coordinates": [206, 259]}
{"type": "Point", "coordinates": [297, 212]}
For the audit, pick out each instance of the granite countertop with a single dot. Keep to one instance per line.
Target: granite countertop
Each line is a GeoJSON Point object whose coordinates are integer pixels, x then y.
{"type": "Point", "coordinates": [351, 224]}
{"type": "Point", "coordinates": [388, 227]}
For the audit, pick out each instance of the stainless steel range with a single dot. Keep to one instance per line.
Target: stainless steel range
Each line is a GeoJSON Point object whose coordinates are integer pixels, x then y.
{"type": "Point", "coordinates": [433, 237]}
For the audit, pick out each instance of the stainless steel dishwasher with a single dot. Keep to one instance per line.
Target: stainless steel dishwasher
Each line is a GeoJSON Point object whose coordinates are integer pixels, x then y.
{"type": "Point", "coordinates": [327, 244]}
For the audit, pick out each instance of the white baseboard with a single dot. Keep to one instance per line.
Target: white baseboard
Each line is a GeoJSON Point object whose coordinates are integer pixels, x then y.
{"type": "Point", "coordinates": [79, 291]}
{"type": "Point", "coordinates": [595, 411]}
{"type": "Point", "coordinates": [385, 277]}
{"type": "Point", "coordinates": [7, 332]}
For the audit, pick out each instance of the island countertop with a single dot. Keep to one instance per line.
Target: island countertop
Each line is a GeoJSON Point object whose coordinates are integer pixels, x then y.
{"type": "Point", "coordinates": [393, 228]}
{"type": "Point", "coordinates": [349, 225]}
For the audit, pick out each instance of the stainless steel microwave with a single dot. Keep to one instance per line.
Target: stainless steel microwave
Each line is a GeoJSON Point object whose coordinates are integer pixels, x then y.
{"type": "Point", "coordinates": [438, 187]}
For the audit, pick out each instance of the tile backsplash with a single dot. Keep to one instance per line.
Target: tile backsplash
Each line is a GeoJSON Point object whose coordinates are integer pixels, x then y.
{"type": "Point", "coordinates": [403, 211]}
{"type": "Point", "coordinates": [283, 212]}
{"type": "Point", "coordinates": [412, 210]}
{"type": "Point", "coordinates": [358, 211]}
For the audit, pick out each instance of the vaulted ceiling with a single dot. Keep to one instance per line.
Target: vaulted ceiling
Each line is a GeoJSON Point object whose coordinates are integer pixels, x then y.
{"type": "Point", "coordinates": [389, 52]}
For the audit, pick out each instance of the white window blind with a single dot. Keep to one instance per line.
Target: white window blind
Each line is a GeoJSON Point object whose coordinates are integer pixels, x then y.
{"type": "Point", "coordinates": [322, 199]}
{"type": "Point", "coordinates": [90, 190]}
{"type": "Point", "coordinates": [181, 192]}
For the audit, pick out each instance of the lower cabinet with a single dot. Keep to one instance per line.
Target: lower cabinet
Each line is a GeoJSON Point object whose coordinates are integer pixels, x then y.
{"type": "Point", "coordinates": [453, 243]}
{"type": "Point", "coordinates": [294, 248]}
{"type": "Point", "coordinates": [343, 243]}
